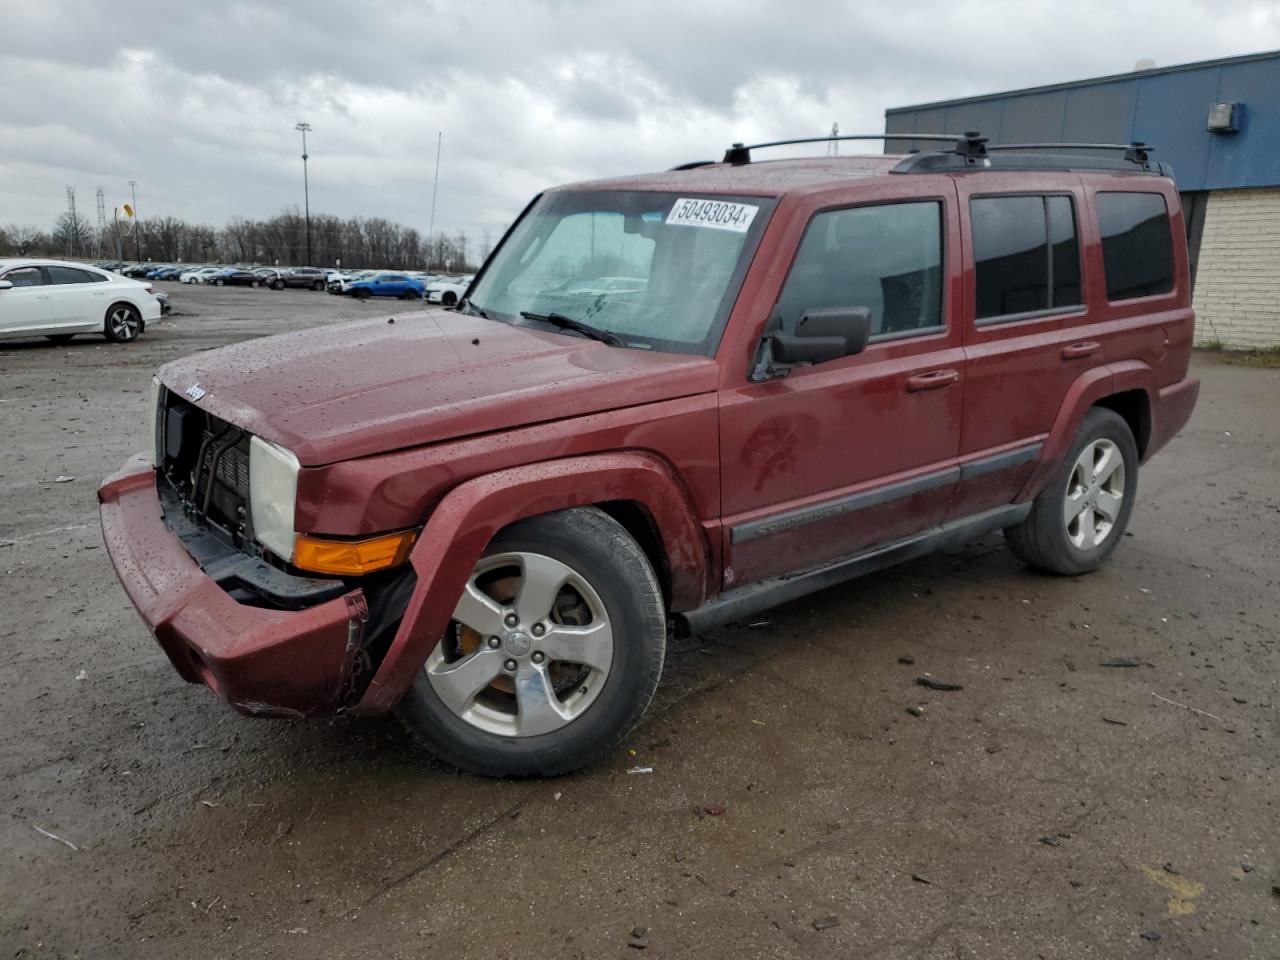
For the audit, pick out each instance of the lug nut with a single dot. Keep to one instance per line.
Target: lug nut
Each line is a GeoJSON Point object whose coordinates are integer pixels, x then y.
{"type": "Point", "coordinates": [494, 643]}
{"type": "Point", "coordinates": [510, 619]}
{"type": "Point", "coordinates": [538, 656]}
{"type": "Point", "coordinates": [510, 666]}
{"type": "Point", "coordinates": [539, 629]}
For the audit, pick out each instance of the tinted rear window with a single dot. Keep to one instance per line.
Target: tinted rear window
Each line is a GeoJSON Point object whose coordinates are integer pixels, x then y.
{"type": "Point", "coordinates": [68, 275]}
{"type": "Point", "coordinates": [1137, 244]}
{"type": "Point", "coordinates": [1026, 255]}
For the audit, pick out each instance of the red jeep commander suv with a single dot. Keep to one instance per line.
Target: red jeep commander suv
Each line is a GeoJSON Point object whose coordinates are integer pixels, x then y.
{"type": "Point", "coordinates": [667, 401]}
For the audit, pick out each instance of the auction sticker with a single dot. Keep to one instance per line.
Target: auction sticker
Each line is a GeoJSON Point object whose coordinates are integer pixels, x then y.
{"type": "Point", "coordinates": [717, 214]}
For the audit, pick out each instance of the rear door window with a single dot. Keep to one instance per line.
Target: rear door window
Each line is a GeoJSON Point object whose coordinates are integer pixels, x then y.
{"type": "Point", "coordinates": [1026, 255]}
{"type": "Point", "coordinates": [62, 275]}
{"type": "Point", "coordinates": [1137, 244]}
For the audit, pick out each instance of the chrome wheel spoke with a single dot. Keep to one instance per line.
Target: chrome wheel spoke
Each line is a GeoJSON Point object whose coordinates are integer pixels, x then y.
{"type": "Point", "coordinates": [479, 612]}
{"type": "Point", "coordinates": [1108, 504]}
{"type": "Point", "coordinates": [541, 582]}
{"type": "Point", "coordinates": [539, 709]}
{"type": "Point", "coordinates": [1074, 503]}
{"type": "Point", "coordinates": [1087, 531]}
{"type": "Point", "coordinates": [591, 645]}
{"type": "Point", "coordinates": [458, 683]}
{"type": "Point", "coordinates": [1107, 460]}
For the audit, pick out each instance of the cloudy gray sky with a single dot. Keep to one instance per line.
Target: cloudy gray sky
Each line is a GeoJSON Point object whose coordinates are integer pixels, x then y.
{"type": "Point", "coordinates": [197, 101]}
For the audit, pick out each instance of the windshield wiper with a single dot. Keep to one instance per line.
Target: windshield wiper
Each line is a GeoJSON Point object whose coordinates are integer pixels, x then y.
{"type": "Point", "coordinates": [568, 323]}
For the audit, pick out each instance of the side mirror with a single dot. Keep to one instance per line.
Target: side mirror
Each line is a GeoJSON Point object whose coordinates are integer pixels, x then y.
{"type": "Point", "coordinates": [6, 284]}
{"type": "Point", "coordinates": [824, 334]}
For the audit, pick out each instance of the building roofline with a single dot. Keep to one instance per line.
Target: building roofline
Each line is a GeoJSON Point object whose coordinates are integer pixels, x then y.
{"type": "Point", "coordinates": [1094, 81]}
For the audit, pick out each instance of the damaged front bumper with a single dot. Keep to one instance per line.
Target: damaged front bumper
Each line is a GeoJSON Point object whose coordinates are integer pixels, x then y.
{"type": "Point", "coordinates": [263, 661]}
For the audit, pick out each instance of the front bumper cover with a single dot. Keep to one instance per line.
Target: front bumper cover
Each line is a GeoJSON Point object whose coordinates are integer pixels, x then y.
{"type": "Point", "coordinates": [264, 662]}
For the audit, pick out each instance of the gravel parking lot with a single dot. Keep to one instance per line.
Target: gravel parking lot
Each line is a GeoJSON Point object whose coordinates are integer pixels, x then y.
{"type": "Point", "coordinates": [1104, 785]}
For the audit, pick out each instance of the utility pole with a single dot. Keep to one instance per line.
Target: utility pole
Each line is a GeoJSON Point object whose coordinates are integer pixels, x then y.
{"type": "Point", "coordinates": [303, 127]}
{"type": "Point", "coordinates": [137, 223]}
{"type": "Point", "coordinates": [102, 222]}
{"type": "Point", "coordinates": [73, 225]}
{"type": "Point", "coordinates": [435, 182]}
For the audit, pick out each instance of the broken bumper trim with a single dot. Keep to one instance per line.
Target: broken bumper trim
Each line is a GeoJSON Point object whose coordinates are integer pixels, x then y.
{"type": "Point", "coordinates": [262, 661]}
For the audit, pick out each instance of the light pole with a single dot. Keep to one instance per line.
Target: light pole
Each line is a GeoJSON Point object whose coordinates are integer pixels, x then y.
{"type": "Point", "coordinates": [303, 127]}
{"type": "Point", "coordinates": [137, 224]}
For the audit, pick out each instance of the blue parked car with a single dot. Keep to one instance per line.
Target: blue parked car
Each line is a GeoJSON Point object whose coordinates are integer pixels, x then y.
{"type": "Point", "coordinates": [164, 273]}
{"type": "Point", "coordinates": [389, 285]}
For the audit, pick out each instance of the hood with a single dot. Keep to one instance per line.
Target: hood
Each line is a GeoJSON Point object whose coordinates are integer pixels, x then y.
{"type": "Point", "coordinates": [357, 389]}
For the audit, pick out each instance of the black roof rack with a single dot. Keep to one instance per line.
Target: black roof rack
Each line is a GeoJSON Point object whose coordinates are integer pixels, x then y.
{"type": "Point", "coordinates": [971, 150]}
{"type": "Point", "coordinates": [1134, 158]}
{"type": "Point", "coordinates": [969, 144]}
{"type": "Point", "coordinates": [1136, 152]}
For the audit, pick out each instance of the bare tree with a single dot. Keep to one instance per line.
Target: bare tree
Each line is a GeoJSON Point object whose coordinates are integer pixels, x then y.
{"type": "Point", "coordinates": [72, 235]}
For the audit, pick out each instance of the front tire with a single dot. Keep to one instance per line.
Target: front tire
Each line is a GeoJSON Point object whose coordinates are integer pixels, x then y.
{"type": "Point", "coordinates": [123, 323]}
{"type": "Point", "coordinates": [1078, 519]}
{"type": "Point", "coordinates": [553, 654]}
{"type": "Point", "coordinates": [449, 299]}
{"type": "Point", "coordinates": [219, 283]}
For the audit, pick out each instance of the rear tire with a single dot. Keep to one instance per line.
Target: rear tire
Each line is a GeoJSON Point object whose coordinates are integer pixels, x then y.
{"type": "Point", "coordinates": [1080, 516]}
{"type": "Point", "coordinates": [449, 299]}
{"type": "Point", "coordinates": [122, 324]}
{"type": "Point", "coordinates": [318, 285]}
{"type": "Point", "coordinates": [219, 282]}
{"type": "Point", "coordinates": [561, 682]}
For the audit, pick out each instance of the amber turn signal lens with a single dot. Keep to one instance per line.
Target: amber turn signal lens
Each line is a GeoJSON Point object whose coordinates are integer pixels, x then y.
{"type": "Point", "coordinates": [352, 558]}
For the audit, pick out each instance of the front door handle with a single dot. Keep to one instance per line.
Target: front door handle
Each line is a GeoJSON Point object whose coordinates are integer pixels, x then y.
{"type": "Point", "coordinates": [1085, 349]}
{"type": "Point", "coordinates": [933, 380]}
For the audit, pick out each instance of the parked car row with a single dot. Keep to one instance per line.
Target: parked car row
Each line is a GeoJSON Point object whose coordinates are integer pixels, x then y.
{"type": "Point", "coordinates": [446, 289]}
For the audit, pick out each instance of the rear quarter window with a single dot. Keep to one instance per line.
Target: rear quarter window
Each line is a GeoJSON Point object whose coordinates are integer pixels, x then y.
{"type": "Point", "coordinates": [1137, 244]}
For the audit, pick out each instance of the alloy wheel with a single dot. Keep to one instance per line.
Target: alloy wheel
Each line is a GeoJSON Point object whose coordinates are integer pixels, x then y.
{"type": "Point", "coordinates": [529, 649]}
{"type": "Point", "coordinates": [1095, 493]}
{"type": "Point", "coordinates": [123, 323]}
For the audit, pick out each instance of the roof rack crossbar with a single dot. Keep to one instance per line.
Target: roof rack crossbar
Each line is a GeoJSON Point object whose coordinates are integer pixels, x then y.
{"type": "Point", "coordinates": [1137, 151]}
{"type": "Point", "coordinates": [969, 143]}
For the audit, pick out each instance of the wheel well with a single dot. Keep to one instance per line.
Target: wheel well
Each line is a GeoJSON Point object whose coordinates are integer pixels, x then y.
{"type": "Point", "coordinates": [120, 303]}
{"type": "Point", "coordinates": [1135, 407]}
{"type": "Point", "coordinates": [636, 519]}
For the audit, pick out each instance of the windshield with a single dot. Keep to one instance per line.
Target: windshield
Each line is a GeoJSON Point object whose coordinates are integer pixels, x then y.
{"type": "Point", "coordinates": [658, 270]}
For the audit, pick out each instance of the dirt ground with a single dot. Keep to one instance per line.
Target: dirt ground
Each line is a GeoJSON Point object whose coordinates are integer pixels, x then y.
{"type": "Point", "coordinates": [1055, 807]}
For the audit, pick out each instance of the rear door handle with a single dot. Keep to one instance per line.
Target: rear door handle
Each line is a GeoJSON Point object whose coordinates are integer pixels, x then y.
{"type": "Point", "coordinates": [933, 380]}
{"type": "Point", "coordinates": [1084, 349]}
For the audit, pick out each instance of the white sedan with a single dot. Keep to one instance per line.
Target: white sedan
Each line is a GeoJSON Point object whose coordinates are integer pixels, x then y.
{"type": "Point", "coordinates": [199, 275]}
{"type": "Point", "coordinates": [56, 299]}
{"type": "Point", "coordinates": [448, 290]}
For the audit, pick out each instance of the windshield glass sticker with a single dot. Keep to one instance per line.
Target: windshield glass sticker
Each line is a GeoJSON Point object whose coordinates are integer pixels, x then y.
{"type": "Point", "coordinates": [718, 214]}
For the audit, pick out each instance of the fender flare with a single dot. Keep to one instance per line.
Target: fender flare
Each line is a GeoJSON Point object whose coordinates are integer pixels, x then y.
{"type": "Point", "coordinates": [1085, 392]}
{"type": "Point", "coordinates": [467, 518]}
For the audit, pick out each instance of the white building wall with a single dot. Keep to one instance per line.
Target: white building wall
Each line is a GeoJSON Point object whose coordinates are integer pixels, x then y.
{"type": "Point", "coordinates": [1237, 295]}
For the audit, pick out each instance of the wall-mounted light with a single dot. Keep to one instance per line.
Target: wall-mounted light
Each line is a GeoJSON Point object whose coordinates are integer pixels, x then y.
{"type": "Point", "coordinates": [1223, 118]}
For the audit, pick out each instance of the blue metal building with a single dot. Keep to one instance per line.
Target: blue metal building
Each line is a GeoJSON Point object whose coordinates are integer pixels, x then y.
{"type": "Point", "coordinates": [1217, 122]}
